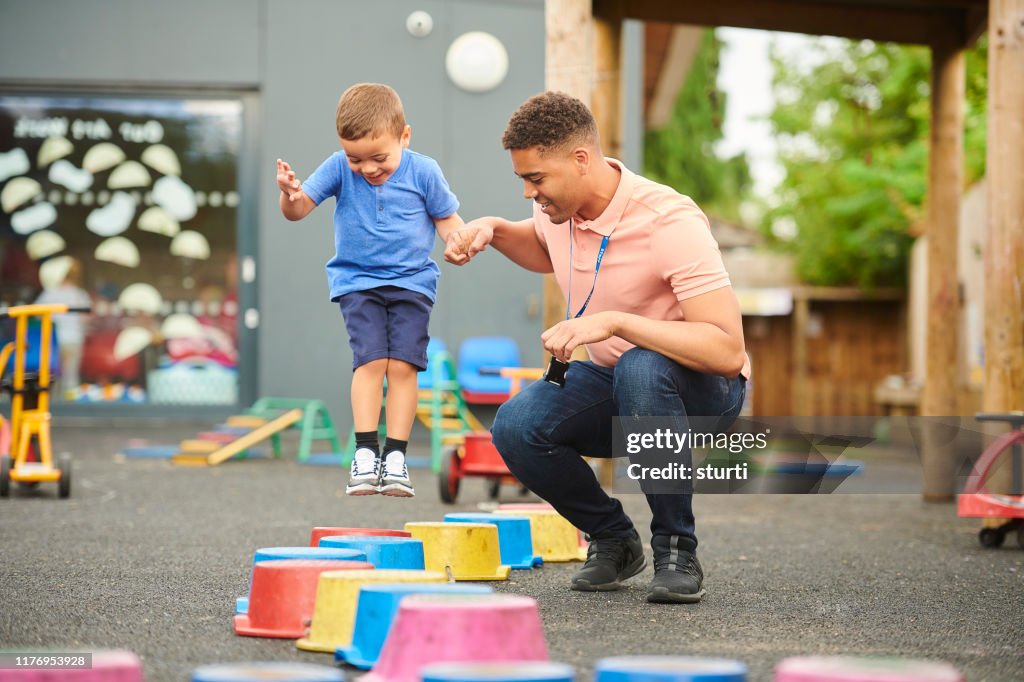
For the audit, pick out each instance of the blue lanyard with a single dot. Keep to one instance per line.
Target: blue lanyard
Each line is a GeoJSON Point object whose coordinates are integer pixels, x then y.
{"type": "Point", "coordinates": [597, 268]}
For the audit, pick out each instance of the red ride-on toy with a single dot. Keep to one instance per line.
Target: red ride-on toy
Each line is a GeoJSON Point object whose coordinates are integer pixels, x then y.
{"type": "Point", "coordinates": [977, 502]}
{"type": "Point", "coordinates": [477, 456]}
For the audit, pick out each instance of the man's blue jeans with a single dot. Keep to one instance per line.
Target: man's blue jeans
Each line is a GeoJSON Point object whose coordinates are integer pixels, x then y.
{"type": "Point", "coordinates": [543, 432]}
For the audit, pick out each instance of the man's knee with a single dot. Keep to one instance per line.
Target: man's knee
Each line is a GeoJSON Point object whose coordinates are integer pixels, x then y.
{"type": "Point", "coordinates": [514, 427]}
{"type": "Point", "coordinates": [642, 367]}
{"type": "Point", "coordinates": [505, 431]}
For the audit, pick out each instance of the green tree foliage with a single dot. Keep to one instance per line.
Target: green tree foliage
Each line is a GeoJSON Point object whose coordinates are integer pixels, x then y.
{"type": "Point", "coordinates": [682, 155]}
{"type": "Point", "coordinates": [852, 121]}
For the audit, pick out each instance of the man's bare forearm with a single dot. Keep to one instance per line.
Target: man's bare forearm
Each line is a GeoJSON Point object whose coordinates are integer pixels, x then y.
{"type": "Point", "coordinates": [518, 242]}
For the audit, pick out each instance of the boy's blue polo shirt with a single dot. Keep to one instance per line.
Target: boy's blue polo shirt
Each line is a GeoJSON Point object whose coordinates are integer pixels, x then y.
{"type": "Point", "coordinates": [383, 235]}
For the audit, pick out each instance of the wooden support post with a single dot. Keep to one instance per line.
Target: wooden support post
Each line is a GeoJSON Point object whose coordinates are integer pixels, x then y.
{"type": "Point", "coordinates": [1004, 249]}
{"type": "Point", "coordinates": [945, 184]}
{"type": "Point", "coordinates": [606, 103]}
{"type": "Point", "coordinates": [684, 43]}
{"type": "Point", "coordinates": [801, 406]}
{"type": "Point", "coordinates": [607, 93]}
{"type": "Point", "coordinates": [575, 42]}
{"type": "Point", "coordinates": [568, 67]}
{"type": "Point", "coordinates": [568, 53]}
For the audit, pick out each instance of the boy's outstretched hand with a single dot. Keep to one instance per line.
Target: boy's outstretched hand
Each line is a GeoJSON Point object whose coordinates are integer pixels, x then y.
{"type": "Point", "coordinates": [295, 204]}
{"type": "Point", "coordinates": [287, 181]}
{"type": "Point", "coordinates": [468, 241]}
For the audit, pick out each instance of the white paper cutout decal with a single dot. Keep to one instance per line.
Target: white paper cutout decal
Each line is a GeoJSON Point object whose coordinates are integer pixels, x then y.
{"type": "Point", "coordinates": [118, 250]}
{"type": "Point", "coordinates": [175, 197]}
{"type": "Point", "coordinates": [17, 192]}
{"type": "Point", "coordinates": [14, 162]}
{"type": "Point", "coordinates": [114, 218]}
{"type": "Point", "coordinates": [34, 218]}
{"type": "Point", "coordinates": [157, 220]}
{"type": "Point", "coordinates": [75, 179]}
{"type": "Point", "coordinates": [190, 244]}
{"type": "Point", "coordinates": [53, 148]}
{"type": "Point", "coordinates": [43, 244]}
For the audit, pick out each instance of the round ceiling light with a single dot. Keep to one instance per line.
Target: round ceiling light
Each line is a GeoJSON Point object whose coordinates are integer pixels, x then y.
{"type": "Point", "coordinates": [477, 61]}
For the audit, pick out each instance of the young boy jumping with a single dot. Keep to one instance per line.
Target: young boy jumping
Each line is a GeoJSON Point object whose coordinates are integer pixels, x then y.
{"type": "Point", "coordinates": [390, 201]}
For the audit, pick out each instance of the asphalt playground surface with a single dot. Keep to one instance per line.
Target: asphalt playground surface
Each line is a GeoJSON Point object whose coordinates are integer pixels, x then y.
{"type": "Point", "coordinates": [150, 557]}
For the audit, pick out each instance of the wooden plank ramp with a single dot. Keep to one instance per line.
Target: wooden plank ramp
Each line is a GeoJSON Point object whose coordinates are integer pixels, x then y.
{"type": "Point", "coordinates": [222, 453]}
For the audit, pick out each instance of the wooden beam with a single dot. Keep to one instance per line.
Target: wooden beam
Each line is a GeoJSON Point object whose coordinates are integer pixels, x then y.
{"type": "Point", "coordinates": [901, 24]}
{"type": "Point", "coordinates": [657, 37]}
{"type": "Point", "coordinates": [1004, 249]}
{"type": "Point", "coordinates": [945, 185]}
{"type": "Point", "coordinates": [683, 44]}
{"type": "Point", "coordinates": [975, 24]}
{"type": "Point", "coordinates": [847, 293]}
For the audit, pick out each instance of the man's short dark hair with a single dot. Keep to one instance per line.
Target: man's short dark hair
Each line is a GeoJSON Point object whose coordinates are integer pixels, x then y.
{"type": "Point", "coordinates": [551, 121]}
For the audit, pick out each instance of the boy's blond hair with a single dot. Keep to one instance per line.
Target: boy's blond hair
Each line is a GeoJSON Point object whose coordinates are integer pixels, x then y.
{"type": "Point", "coordinates": [369, 109]}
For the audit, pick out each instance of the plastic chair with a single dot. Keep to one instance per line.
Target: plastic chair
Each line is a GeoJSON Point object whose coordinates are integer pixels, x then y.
{"type": "Point", "coordinates": [425, 379]}
{"type": "Point", "coordinates": [479, 352]}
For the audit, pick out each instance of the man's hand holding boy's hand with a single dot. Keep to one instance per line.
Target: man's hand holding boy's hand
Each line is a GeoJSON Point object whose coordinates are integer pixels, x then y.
{"type": "Point", "coordinates": [287, 181]}
{"type": "Point", "coordinates": [468, 241]}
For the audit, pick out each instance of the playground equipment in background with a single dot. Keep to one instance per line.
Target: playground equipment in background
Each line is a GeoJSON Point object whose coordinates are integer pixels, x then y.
{"type": "Point", "coordinates": [441, 408]}
{"type": "Point", "coordinates": [30, 460]}
{"type": "Point", "coordinates": [476, 355]}
{"type": "Point", "coordinates": [1006, 510]}
{"type": "Point", "coordinates": [267, 418]}
{"type": "Point", "coordinates": [476, 455]}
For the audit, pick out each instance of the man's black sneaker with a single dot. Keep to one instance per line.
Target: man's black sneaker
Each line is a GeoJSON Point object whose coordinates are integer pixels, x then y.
{"type": "Point", "coordinates": [678, 577]}
{"type": "Point", "coordinates": [610, 561]}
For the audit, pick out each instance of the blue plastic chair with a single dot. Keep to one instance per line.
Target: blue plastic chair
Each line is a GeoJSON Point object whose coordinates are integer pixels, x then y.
{"type": "Point", "coordinates": [486, 352]}
{"type": "Point", "coordinates": [425, 379]}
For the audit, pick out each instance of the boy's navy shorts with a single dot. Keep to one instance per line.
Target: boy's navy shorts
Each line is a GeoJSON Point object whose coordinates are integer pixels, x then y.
{"type": "Point", "coordinates": [387, 322]}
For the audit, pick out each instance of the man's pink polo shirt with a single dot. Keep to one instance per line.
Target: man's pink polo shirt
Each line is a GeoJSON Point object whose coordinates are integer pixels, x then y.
{"type": "Point", "coordinates": [660, 252]}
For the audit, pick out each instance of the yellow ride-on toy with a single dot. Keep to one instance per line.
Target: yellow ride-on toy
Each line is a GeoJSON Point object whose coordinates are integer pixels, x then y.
{"type": "Point", "coordinates": [30, 460]}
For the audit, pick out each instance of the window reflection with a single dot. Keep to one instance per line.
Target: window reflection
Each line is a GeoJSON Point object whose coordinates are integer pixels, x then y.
{"type": "Point", "coordinates": [128, 204]}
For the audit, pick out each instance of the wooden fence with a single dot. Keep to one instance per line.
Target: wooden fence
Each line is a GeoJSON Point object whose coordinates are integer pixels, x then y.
{"type": "Point", "coordinates": [827, 357]}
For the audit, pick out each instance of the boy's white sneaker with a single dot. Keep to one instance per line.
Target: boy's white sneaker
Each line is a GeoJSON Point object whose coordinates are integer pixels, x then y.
{"type": "Point", "coordinates": [364, 476]}
{"type": "Point", "coordinates": [394, 480]}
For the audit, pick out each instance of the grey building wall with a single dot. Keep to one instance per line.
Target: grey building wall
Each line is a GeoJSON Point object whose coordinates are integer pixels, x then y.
{"type": "Point", "coordinates": [311, 62]}
{"type": "Point", "coordinates": [290, 61]}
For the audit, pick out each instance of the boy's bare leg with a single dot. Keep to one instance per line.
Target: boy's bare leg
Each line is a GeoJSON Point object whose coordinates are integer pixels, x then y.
{"type": "Point", "coordinates": [367, 391]}
{"type": "Point", "coordinates": [403, 396]}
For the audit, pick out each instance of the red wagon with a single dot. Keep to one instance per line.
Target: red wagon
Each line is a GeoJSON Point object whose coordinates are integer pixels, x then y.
{"type": "Point", "coordinates": [476, 455]}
